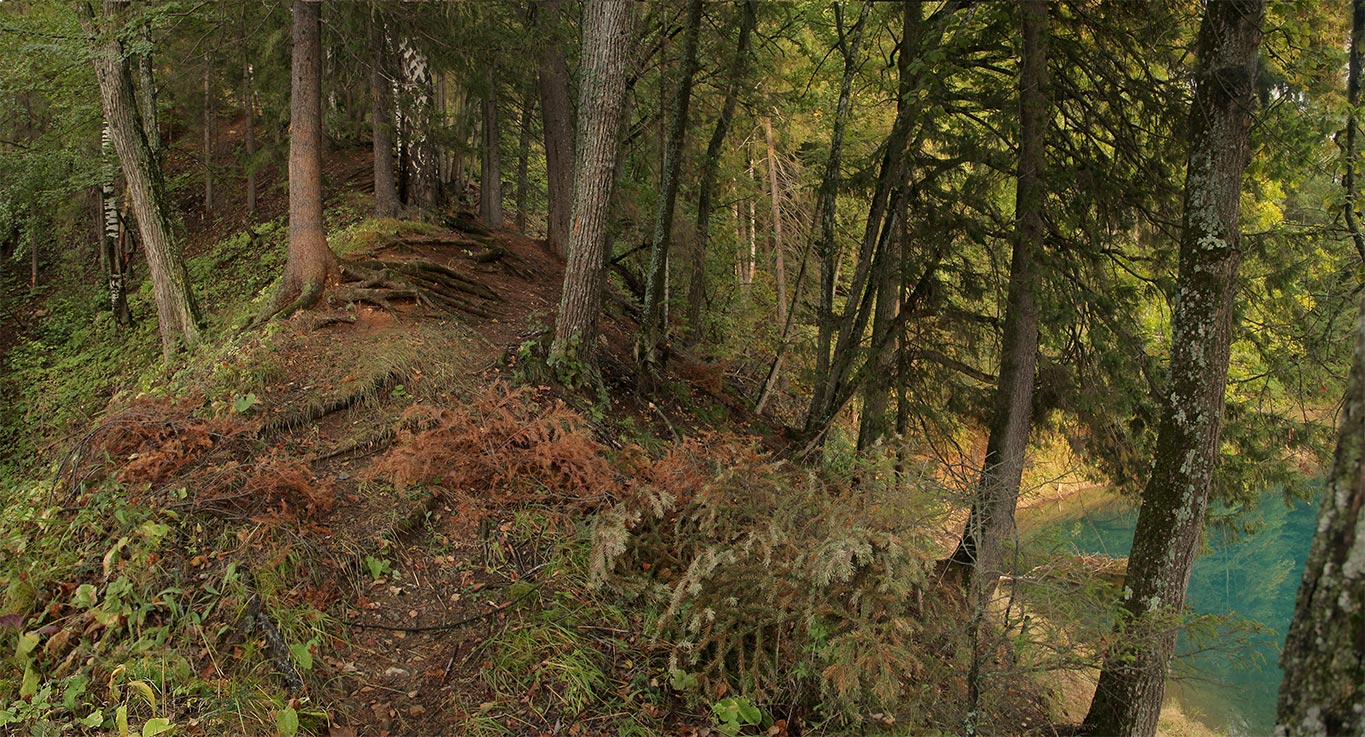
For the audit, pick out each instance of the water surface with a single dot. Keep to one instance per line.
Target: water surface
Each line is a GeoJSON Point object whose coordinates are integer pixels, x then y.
{"type": "Point", "coordinates": [1255, 576]}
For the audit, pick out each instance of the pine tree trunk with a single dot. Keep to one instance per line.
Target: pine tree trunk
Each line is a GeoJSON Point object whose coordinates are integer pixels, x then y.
{"type": "Point", "coordinates": [1350, 152]}
{"type": "Point", "coordinates": [606, 53]}
{"type": "Point", "coordinates": [208, 142]}
{"type": "Point", "coordinates": [872, 425]}
{"type": "Point", "coordinates": [386, 203]}
{"type": "Point", "coordinates": [558, 129]}
{"type": "Point", "coordinates": [310, 263]}
{"type": "Point", "coordinates": [1133, 680]}
{"type": "Point", "coordinates": [1324, 654]}
{"type": "Point", "coordinates": [696, 292]}
{"type": "Point", "coordinates": [826, 248]}
{"type": "Point", "coordinates": [992, 515]}
{"type": "Point", "coordinates": [177, 313]}
{"type": "Point", "coordinates": [490, 175]}
{"type": "Point", "coordinates": [523, 161]}
{"type": "Point", "coordinates": [652, 325]}
{"type": "Point", "coordinates": [778, 242]}
{"type": "Point", "coordinates": [249, 105]}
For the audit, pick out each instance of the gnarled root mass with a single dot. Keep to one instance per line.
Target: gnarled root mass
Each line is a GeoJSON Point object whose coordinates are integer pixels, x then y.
{"type": "Point", "coordinates": [425, 282]}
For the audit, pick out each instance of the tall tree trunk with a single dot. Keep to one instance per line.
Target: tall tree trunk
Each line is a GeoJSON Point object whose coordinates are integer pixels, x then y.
{"type": "Point", "coordinates": [423, 178]}
{"type": "Point", "coordinates": [778, 242]}
{"type": "Point", "coordinates": [115, 261]}
{"type": "Point", "coordinates": [386, 203]}
{"type": "Point", "coordinates": [1324, 652]}
{"type": "Point", "coordinates": [835, 386]}
{"type": "Point", "coordinates": [696, 292]}
{"type": "Point", "coordinates": [991, 519]}
{"type": "Point", "coordinates": [490, 175]}
{"type": "Point", "coordinates": [33, 219]}
{"type": "Point", "coordinates": [850, 43]}
{"type": "Point", "coordinates": [177, 313]}
{"type": "Point", "coordinates": [311, 263]}
{"type": "Point", "coordinates": [249, 105]}
{"type": "Point", "coordinates": [208, 141]}
{"type": "Point", "coordinates": [992, 514]}
{"type": "Point", "coordinates": [1351, 151]}
{"type": "Point", "coordinates": [557, 126]}
{"type": "Point", "coordinates": [607, 41]}
{"type": "Point", "coordinates": [648, 349]}
{"type": "Point", "coordinates": [146, 96]}
{"type": "Point", "coordinates": [1133, 681]}
{"type": "Point", "coordinates": [523, 160]}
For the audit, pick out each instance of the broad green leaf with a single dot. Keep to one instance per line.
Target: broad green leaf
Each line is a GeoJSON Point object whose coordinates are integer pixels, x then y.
{"type": "Point", "coordinates": [155, 726]}
{"type": "Point", "coordinates": [287, 721]}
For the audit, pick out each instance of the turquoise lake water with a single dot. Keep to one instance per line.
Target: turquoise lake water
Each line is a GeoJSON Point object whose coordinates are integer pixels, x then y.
{"type": "Point", "coordinates": [1255, 576]}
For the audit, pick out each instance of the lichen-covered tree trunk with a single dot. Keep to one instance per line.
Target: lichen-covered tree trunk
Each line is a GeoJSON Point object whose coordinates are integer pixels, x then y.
{"type": "Point", "coordinates": [1350, 152]}
{"type": "Point", "coordinates": [386, 204]}
{"type": "Point", "coordinates": [606, 52]}
{"type": "Point", "coordinates": [652, 328]}
{"type": "Point", "coordinates": [1323, 691]}
{"type": "Point", "coordinates": [115, 260]}
{"type": "Point", "coordinates": [146, 95]}
{"type": "Point", "coordinates": [696, 292]}
{"type": "Point", "coordinates": [1324, 654]}
{"type": "Point", "coordinates": [490, 174]}
{"type": "Point", "coordinates": [310, 264]}
{"type": "Point", "coordinates": [992, 514]}
{"type": "Point", "coordinates": [1133, 680]}
{"type": "Point", "coordinates": [557, 124]}
{"type": "Point", "coordinates": [177, 313]}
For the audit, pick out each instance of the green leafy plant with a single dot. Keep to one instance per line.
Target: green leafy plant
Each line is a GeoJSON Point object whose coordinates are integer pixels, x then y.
{"type": "Point", "coordinates": [244, 403]}
{"type": "Point", "coordinates": [735, 713]}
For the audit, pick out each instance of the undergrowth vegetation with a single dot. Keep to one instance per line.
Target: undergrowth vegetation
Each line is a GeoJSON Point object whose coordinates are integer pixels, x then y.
{"type": "Point", "coordinates": [218, 545]}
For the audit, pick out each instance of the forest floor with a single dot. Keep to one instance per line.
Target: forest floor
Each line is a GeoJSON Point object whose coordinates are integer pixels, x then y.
{"type": "Point", "coordinates": [380, 520]}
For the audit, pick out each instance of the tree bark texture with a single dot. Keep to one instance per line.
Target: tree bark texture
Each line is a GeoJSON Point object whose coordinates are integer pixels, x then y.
{"type": "Point", "coordinates": [1350, 152]}
{"type": "Point", "coordinates": [310, 263]}
{"type": "Point", "coordinates": [416, 108]}
{"type": "Point", "coordinates": [1324, 654]}
{"type": "Point", "coordinates": [208, 141]}
{"type": "Point", "coordinates": [177, 313]}
{"type": "Point", "coordinates": [652, 327]}
{"type": "Point", "coordinates": [606, 54]}
{"type": "Point", "coordinates": [490, 175]}
{"type": "Point", "coordinates": [834, 386]}
{"type": "Point", "coordinates": [557, 123]}
{"type": "Point", "coordinates": [146, 97]}
{"type": "Point", "coordinates": [249, 106]}
{"type": "Point", "coordinates": [1323, 691]}
{"type": "Point", "coordinates": [523, 161]}
{"type": "Point", "coordinates": [1133, 681]}
{"type": "Point", "coordinates": [386, 204]}
{"type": "Point", "coordinates": [825, 248]}
{"type": "Point", "coordinates": [992, 515]}
{"type": "Point", "coordinates": [696, 292]}
{"type": "Point", "coordinates": [111, 251]}
{"type": "Point", "coordinates": [872, 424]}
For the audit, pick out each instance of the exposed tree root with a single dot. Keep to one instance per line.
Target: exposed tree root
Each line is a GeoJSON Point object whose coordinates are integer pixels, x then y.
{"type": "Point", "coordinates": [317, 410]}
{"type": "Point", "coordinates": [425, 282]}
